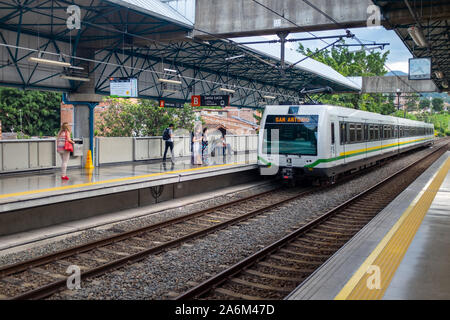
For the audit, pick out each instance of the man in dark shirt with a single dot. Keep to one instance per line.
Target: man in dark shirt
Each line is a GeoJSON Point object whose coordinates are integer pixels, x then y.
{"type": "Point", "coordinates": [168, 137]}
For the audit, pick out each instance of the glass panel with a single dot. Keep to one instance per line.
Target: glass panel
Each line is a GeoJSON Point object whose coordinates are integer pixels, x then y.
{"type": "Point", "coordinates": [297, 134]}
{"type": "Point", "coordinates": [359, 136]}
{"type": "Point", "coordinates": [332, 133]}
{"type": "Point", "coordinates": [352, 133]}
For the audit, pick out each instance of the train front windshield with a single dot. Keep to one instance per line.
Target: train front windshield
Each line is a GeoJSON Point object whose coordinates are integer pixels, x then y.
{"type": "Point", "coordinates": [296, 134]}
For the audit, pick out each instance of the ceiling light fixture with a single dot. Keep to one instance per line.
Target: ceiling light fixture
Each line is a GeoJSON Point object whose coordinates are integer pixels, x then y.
{"type": "Point", "coordinates": [169, 81]}
{"type": "Point", "coordinates": [417, 36]}
{"type": "Point", "coordinates": [439, 74]}
{"type": "Point", "coordinates": [235, 57]}
{"type": "Point", "coordinates": [67, 77]}
{"type": "Point", "coordinates": [51, 62]}
{"type": "Point", "coordinates": [170, 70]}
{"type": "Point", "coordinates": [269, 97]}
{"type": "Point", "coordinates": [227, 90]}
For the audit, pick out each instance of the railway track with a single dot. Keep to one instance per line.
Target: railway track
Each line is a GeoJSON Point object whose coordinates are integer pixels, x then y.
{"type": "Point", "coordinates": [276, 270]}
{"type": "Point", "coordinates": [43, 276]}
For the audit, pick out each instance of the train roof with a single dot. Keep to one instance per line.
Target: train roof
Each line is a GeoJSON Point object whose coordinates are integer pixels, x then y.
{"type": "Point", "coordinates": [343, 112]}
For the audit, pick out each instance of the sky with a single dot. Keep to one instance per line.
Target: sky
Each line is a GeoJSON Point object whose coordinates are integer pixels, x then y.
{"type": "Point", "coordinates": [398, 53]}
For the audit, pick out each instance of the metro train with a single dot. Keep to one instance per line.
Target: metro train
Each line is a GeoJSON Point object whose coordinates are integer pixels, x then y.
{"type": "Point", "coordinates": [322, 142]}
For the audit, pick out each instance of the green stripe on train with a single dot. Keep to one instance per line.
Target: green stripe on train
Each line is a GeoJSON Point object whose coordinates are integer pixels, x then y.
{"type": "Point", "coordinates": [315, 163]}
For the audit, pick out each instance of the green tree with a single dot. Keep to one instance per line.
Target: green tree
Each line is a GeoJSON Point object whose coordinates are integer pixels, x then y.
{"type": "Point", "coordinates": [438, 104]}
{"type": "Point", "coordinates": [184, 117]}
{"type": "Point", "coordinates": [352, 64]}
{"type": "Point", "coordinates": [411, 101]}
{"type": "Point", "coordinates": [35, 113]}
{"type": "Point", "coordinates": [424, 104]}
{"type": "Point", "coordinates": [125, 118]}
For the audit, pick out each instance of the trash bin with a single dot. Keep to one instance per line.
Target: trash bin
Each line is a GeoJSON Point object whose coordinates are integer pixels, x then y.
{"type": "Point", "coordinates": [78, 148]}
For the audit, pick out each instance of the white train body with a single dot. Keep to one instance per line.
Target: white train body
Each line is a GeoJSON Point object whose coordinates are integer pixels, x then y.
{"type": "Point", "coordinates": [325, 141]}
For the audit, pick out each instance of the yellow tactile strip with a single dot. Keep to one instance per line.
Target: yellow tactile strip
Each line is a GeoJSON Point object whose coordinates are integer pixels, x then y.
{"type": "Point", "coordinates": [81, 185]}
{"type": "Point", "coordinates": [372, 279]}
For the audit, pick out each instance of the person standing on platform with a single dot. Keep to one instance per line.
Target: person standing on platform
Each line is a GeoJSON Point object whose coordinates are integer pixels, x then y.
{"type": "Point", "coordinates": [168, 138]}
{"type": "Point", "coordinates": [63, 147]}
{"type": "Point", "coordinates": [197, 144]}
{"type": "Point", "coordinates": [204, 144]}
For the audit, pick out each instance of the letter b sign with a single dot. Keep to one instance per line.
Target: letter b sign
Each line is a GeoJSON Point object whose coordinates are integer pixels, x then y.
{"type": "Point", "coordinates": [196, 101]}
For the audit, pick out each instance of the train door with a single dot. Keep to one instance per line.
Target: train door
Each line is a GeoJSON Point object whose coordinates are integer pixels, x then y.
{"type": "Point", "coordinates": [365, 136]}
{"type": "Point", "coordinates": [380, 135]}
{"type": "Point", "coordinates": [334, 125]}
{"type": "Point", "coordinates": [342, 136]}
{"type": "Point", "coordinates": [397, 136]}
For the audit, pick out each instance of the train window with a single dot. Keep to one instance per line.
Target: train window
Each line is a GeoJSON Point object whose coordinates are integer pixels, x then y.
{"type": "Point", "coordinates": [359, 132]}
{"type": "Point", "coordinates": [402, 131]}
{"type": "Point", "coordinates": [376, 132]}
{"type": "Point", "coordinates": [381, 132]}
{"type": "Point", "coordinates": [392, 131]}
{"type": "Point", "coordinates": [386, 132]}
{"type": "Point", "coordinates": [332, 133]}
{"type": "Point", "coordinates": [293, 138]}
{"type": "Point", "coordinates": [366, 132]}
{"type": "Point", "coordinates": [343, 132]}
{"type": "Point", "coordinates": [395, 131]}
{"type": "Point", "coordinates": [371, 133]}
{"type": "Point", "coordinates": [352, 132]}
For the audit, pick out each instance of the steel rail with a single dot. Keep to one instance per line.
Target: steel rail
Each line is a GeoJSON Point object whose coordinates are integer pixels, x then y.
{"type": "Point", "coordinates": [24, 265]}
{"type": "Point", "coordinates": [47, 290]}
{"type": "Point", "coordinates": [223, 276]}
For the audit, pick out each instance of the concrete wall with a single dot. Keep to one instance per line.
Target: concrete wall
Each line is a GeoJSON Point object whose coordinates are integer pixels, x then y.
{"type": "Point", "coordinates": [31, 154]}
{"type": "Point", "coordinates": [245, 17]}
{"type": "Point", "coordinates": [383, 84]}
{"type": "Point", "coordinates": [50, 214]}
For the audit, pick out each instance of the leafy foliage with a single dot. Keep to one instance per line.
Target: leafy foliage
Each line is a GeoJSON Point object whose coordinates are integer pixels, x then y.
{"type": "Point", "coordinates": [438, 104]}
{"type": "Point", "coordinates": [125, 118]}
{"type": "Point", "coordinates": [353, 64]}
{"type": "Point", "coordinates": [32, 113]}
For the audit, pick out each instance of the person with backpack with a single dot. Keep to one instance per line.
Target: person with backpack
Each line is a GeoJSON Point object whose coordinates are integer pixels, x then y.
{"type": "Point", "coordinates": [168, 138]}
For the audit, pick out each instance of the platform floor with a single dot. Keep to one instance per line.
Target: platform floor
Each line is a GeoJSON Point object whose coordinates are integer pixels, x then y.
{"type": "Point", "coordinates": [403, 253]}
{"type": "Point", "coordinates": [18, 189]}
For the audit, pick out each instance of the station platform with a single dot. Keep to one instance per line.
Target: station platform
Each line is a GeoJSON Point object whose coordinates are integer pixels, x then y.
{"type": "Point", "coordinates": [402, 254]}
{"type": "Point", "coordinates": [34, 200]}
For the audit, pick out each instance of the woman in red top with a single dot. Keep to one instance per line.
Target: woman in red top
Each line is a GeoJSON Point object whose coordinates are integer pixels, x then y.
{"type": "Point", "coordinates": [63, 135]}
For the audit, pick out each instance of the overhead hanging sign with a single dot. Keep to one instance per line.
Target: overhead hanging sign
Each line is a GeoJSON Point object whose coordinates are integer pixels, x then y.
{"type": "Point", "coordinates": [123, 87]}
{"type": "Point", "coordinates": [169, 104]}
{"type": "Point", "coordinates": [419, 69]}
{"type": "Point", "coordinates": [210, 101]}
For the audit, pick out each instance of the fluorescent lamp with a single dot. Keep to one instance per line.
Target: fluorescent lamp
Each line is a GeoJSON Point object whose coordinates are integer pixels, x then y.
{"type": "Point", "coordinates": [74, 78]}
{"type": "Point", "coordinates": [269, 97]}
{"type": "Point", "coordinates": [170, 70]}
{"type": "Point", "coordinates": [439, 74]}
{"type": "Point", "coordinates": [169, 81]}
{"type": "Point", "coordinates": [77, 68]}
{"type": "Point", "coordinates": [417, 35]}
{"type": "Point", "coordinates": [170, 90]}
{"type": "Point", "coordinates": [227, 90]}
{"type": "Point", "coordinates": [235, 57]}
{"type": "Point", "coordinates": [52, 62]}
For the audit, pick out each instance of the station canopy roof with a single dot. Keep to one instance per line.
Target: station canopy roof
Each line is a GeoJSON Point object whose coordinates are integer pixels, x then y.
{"type": "Point", "coordinates": [433, 19]}
{"type": "Point", "coordinates": [153, 28]}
